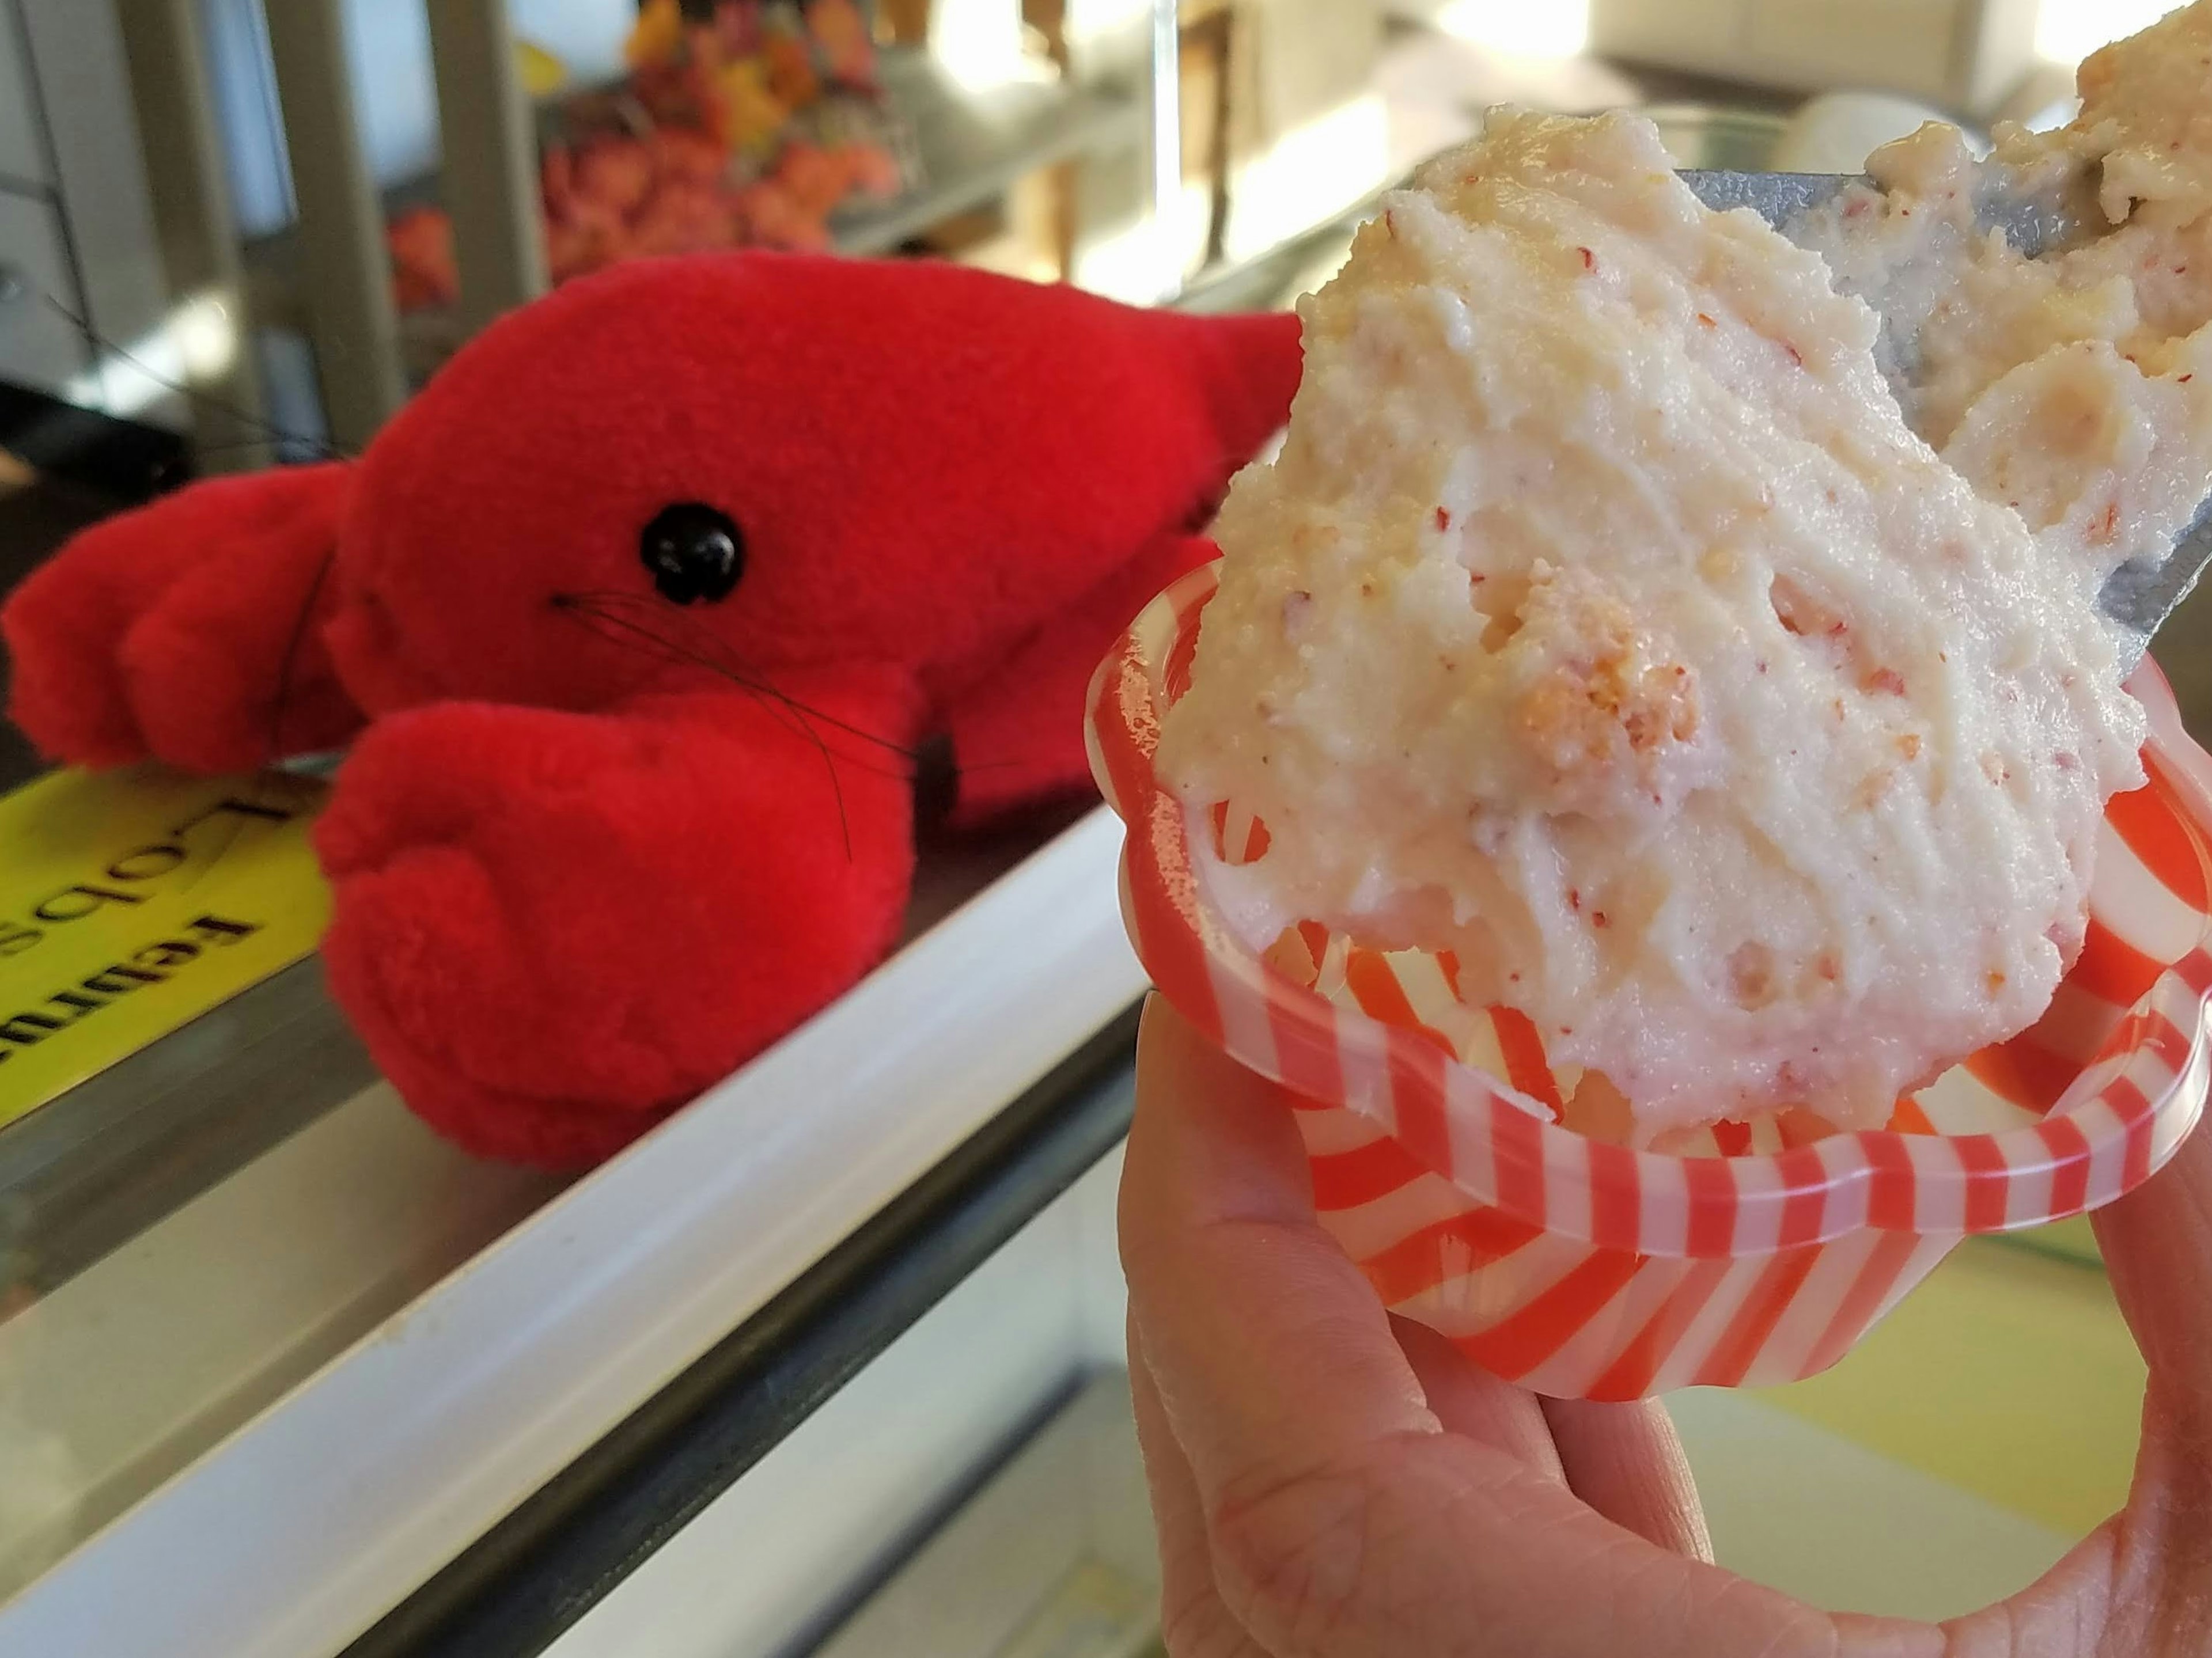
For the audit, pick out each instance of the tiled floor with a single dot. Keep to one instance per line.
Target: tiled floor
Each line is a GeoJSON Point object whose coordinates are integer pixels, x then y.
{"type": "Point", "coordinates": [1819, 1516]}
{"type": "Point", "coordinates": [1979, 1431]}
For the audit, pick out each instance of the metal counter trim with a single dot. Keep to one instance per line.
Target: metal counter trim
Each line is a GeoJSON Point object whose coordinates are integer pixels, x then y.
{"type": "Point", "coordinates": [316, 1519]}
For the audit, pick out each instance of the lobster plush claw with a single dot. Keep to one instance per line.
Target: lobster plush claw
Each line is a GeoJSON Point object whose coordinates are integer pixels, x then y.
{"type": "Point", "coordinates": [151, 636]}
{"type": "Point", "coordinates": [635, 618]}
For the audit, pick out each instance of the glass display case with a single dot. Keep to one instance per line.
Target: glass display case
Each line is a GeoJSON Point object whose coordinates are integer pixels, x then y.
{"type": "Point", "coordinates": [828, 1364]}
{"type": "Point", "coordinates": [230, 1227]}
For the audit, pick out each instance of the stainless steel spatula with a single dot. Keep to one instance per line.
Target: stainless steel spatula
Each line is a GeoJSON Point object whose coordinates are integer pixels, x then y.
{"type": "Point", "coordinates": [2140, 596]}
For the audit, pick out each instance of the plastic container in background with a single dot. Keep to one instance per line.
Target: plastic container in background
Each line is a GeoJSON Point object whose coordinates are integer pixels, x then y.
{"type": "Point", "coordinates": [1586, 1270]}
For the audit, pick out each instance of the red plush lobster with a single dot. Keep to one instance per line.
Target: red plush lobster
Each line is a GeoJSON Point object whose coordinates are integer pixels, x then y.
{"type": "Point", "coordinates": [634, 619]}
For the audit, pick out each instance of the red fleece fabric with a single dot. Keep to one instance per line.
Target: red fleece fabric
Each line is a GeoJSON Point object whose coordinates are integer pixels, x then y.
{"type": "Point", "coordinates": [551, 927]}
{"type": "Point", "coordinates": [177, 630]}
{"type": "Point", "coordinates": [1017, 734]}
{"type": "Point", "coordinates": [588, 855]}
{"type": "Point", "coordinates": [924, 461]}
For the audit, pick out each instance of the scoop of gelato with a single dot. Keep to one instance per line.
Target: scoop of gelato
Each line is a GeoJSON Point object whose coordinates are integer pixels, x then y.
{"type": "Point", "coordinates": [2076, 387]}
{"type": "Point", "coordinates": [1602, 622]}
{"type": "Point", "coordinates": [2145, 125]}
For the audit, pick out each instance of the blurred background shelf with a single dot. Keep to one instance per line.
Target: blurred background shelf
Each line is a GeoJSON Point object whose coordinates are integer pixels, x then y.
{"type": "Point", "coordinates": [973, 144]}
{"type": "Point", "coordinates": [970, 145]}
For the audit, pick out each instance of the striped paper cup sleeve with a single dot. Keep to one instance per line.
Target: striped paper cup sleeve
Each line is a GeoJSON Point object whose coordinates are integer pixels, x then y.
{"type": "Point", "coordinates": [1758, 1253]}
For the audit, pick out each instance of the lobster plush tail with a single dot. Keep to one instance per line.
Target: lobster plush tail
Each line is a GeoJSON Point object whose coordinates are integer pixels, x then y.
{"type": "Point", "coordinates": [189, 630]}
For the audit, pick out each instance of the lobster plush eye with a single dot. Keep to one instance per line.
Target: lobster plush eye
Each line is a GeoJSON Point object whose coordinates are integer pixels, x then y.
{"type": "Point", "coordinates": [694, 552]}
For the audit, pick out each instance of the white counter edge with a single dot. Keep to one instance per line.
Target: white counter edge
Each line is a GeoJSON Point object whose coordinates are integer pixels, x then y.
{"type": "Point", "coordinates": [305, 1526]}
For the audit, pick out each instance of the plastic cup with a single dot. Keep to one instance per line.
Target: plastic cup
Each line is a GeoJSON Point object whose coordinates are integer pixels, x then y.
{"type": "Point", "coordinates": [1583, 1269]}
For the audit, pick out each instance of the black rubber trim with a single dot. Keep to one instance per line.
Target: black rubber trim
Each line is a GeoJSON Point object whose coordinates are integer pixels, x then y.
{"type": "Point", "coordinates": [108, 463]}
{"type": "Point", "coordinates": [517, 1589]}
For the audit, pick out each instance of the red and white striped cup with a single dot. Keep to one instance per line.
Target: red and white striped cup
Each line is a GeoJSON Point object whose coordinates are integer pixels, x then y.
{"type": "Point", "coordinates": [1587, 1269]}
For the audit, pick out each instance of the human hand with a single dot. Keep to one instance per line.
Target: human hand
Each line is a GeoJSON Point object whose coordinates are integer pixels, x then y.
{"type": "Point", "coordinates": [1331, 1482]}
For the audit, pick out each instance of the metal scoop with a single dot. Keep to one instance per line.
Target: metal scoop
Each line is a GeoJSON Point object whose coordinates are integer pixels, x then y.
{"type": "Point", "coordinates": [2140, 596]}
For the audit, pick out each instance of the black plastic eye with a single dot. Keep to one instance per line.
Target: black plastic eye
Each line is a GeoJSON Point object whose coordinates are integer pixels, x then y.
{"type": "Point", "coordinates": [694, 552]}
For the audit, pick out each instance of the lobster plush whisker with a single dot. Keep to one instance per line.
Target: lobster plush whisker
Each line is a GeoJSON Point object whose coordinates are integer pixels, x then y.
{"type": "Point", "coordinates": [265, 429]}
{"type": "Point", "coordinates": [707, 654]}
{"type": "Point", "coordinates": [798, 717]}
{"type": "Point", "coordinates": [801, 718]}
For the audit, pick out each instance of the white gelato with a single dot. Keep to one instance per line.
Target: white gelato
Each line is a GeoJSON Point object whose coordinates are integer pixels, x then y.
{"type": "Point", "coordinates": [2076, 386]}
{"type": "Point", "coordinates": [1602, 622]}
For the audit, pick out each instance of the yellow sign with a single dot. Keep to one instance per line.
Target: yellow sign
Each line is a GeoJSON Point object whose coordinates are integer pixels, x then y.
{"type": "Point", "coordinates": [131, 901]}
